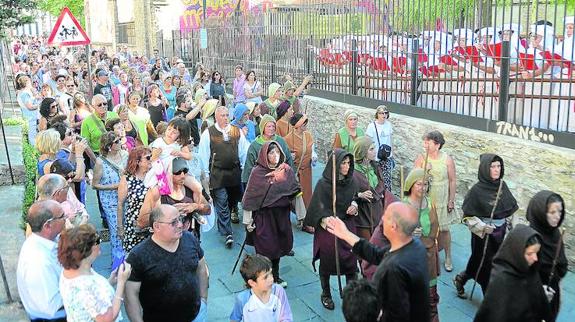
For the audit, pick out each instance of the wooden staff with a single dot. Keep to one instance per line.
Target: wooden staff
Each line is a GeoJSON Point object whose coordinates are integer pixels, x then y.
{"type": "Point", "coordinates": [486, 239]}
{"type": "Point", "coordinates": [333, 192]}
{"type": "Point", "coordinates": [401, 182]}
{"type": "Point", "coordinates": [557, 252]}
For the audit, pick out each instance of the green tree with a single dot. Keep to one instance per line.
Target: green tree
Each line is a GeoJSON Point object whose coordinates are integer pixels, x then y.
{"type": "Point", "coordinates": [15, 13]}
{"type": "Point", "coordinates": [54, 7]}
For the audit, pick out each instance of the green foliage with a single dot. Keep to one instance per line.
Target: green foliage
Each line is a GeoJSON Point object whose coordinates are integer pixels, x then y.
{"type": "Point", "coordinates": [30, 158]}
{"type": "Point", "coordinates": [15, 13]}
{"type": "Point", "coordinates": [417, 16]}
{"type": "Point", "coordinates": [54, 7]}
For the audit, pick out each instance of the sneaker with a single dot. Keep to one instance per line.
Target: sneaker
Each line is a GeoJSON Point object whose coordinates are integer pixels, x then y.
{"type": "Point", "coordinates": [281, 282]}
{"type": "Point", "coordinates": [229, 241]}
{"type": "Point", "coordinates": [459, 283]}
{"type": "Point", "coordinates": [235, 218]}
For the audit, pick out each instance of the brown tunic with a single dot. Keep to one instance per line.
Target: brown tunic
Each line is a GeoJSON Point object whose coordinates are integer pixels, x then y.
{"type": "Point", "coordinates": [282, 127]}
{"type": "Point", "coordinates": [302, 165]}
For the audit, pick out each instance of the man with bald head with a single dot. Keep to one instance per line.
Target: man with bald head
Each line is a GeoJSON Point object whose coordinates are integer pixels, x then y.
{"type": "Point", "coordinates": [38, 272]}
{"type": "Point", "coordinates": [169, 280]}
{"type": "Point", "coordinates": [222, 154]}
{"type": "Point", "coordinates": [401, 277]}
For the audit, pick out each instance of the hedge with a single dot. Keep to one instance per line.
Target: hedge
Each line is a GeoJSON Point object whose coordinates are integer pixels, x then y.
{"type": "Point", "coordinates": [30, 158]}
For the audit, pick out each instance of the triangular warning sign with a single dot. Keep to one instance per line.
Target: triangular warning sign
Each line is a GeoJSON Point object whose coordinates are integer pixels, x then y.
{"type": "Point", "coordinates": [67, 31]}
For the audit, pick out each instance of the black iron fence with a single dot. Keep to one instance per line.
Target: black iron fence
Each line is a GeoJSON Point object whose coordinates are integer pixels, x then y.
{"type": "Point", "coordinates": [502, 60]}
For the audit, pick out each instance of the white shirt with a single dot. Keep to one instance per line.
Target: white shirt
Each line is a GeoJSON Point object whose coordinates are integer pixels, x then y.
{"type": "Point", "coordinates": [204, 151]}
{"type": "Point", "coordinates": [38, 276]}
{"type": "Point", "coordinates": [384, 132]}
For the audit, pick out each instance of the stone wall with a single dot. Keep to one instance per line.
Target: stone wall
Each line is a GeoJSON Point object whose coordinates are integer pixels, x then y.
{"type": "Point", "coordinates": [529, 166]}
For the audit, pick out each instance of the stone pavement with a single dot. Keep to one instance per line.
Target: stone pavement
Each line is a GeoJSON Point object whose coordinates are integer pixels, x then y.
{"type": "Point", "coordinates": [303, 289]}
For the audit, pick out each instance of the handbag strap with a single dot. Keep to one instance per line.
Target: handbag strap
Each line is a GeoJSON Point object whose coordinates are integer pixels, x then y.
{"type": "Point", "coordinates": [376, 134]}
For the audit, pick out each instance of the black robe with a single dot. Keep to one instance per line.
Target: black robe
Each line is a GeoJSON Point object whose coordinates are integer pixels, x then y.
{"type": "Point", "coordinates": [550, 240]}
{"type": "Point", "coordinates": [515, 293]}
{"type": "Point", "coordinates": [479, 202]}
{"type": "Point", "coordinates": [321, 207]}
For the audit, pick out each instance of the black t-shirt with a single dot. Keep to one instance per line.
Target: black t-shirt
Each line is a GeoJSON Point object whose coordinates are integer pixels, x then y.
{"type": "Point", "coordinates": [170, 286]}
{"type": "Point", "coordinates": [156, 113]}
{"type": "Point", "coordinates": [401, 280]}
{"type": "Point", "coordinates": [194, 130]}
{"type": "Point", "coordinates": [105, 90]}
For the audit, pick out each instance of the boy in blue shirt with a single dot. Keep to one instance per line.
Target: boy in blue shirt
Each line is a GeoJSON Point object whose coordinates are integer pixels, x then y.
{"type": "Point", "coordinates": [262, 300]}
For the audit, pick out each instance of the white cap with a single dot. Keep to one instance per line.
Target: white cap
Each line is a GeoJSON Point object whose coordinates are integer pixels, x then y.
{"type": "Point", "coordinates": [463, 33]}
{"type": "Point", "coordinates": [516, 28]}
{"type": "Point", "coordinates": [489, 31]}
{"type": "Point", "coordinates": [63, 72]}
{"type": "Point", "coordinates": [542, 30]}
{"type": "Point", "coordinates": [569, 20]}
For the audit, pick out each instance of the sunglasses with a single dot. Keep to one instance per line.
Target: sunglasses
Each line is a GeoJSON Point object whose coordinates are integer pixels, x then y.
{"type": "Point", "coordinates": [147, 157]}
{"type": "Point", "coordinates": [54, 105]}
{"type": "Point", "coordinates": [118, 141]}
{"type": "Point", "coordinates": [56, 218]}
{"type": "Point", "coordinates": [382, 112]}
{"type": "Point", "coordinates": [184, 170]}
{"type": "Point", "coordinates": [97, 241]}
{"type": "Point", "coordinates": [174, 223]}
{"type": "Point", "coordinates": [102, 104]}
{"type": "Point", "coordinates": [71, 85]}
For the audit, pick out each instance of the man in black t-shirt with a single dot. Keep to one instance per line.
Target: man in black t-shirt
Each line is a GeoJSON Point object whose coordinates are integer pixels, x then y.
{"type": "Point", "coordinates": [103, 87]}
{"type": "Point", "coordinates": [169, 280]}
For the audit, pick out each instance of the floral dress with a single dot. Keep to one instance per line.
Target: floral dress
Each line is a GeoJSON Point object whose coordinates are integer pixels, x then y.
{"type": "Point", "coordinates": [135, 200]}
{"type": "Point", "coordinates": [87, 296]}
{"type": "Point", "coordinates": [109, 201]}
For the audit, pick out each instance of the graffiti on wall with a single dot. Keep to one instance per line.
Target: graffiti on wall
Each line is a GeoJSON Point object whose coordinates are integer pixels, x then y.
{"type": "Point", "coordinates": [191, 18]}
{"type": "Point", "coordinates": [523, 132]}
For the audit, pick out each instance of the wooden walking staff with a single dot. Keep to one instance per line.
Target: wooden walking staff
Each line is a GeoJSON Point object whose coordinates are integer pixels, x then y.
{"type": "Point", "coordinates": [486, 239]}
{"type": "Point", "coordinates": [333, 184]}
{"type": "Point", "coordinates": [557, 252]}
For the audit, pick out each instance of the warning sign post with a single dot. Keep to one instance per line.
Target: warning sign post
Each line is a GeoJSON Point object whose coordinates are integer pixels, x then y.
{"type": "Point", "coordinates": [67, 31]}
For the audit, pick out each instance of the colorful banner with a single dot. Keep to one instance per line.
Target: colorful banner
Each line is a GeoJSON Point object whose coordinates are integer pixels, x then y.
{"type": "Point", "coordinates": [191, 19]}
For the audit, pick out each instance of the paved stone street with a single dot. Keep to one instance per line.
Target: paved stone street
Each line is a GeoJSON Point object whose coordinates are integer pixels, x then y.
{"type": "Point", "coordinates": [303, 289]}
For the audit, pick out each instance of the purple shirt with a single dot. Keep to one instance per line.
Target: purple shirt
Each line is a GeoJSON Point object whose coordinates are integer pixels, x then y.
{"type": "Point", "coordinates": [239, 95]}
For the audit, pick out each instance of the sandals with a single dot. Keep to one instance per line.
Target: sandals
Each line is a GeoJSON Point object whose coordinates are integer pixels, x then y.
{"type": "Point", "coordinates": [459, 284]}
{"type": "Point", "coordinates": [327, 302]}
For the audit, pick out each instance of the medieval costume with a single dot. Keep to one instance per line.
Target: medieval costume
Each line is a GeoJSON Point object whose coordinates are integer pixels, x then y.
{"type": "Point", "coordinates": [478, 203]}
{"type": "Point", "coordinates": [550, 239]}
{"type": "Point", "coordinates": [344, 138]}
{"type": "Point", "coordinates": [367, 177]}
{"type": "Point", "coordinates": [266, 204]}
{"type": "Point", "coordinates": [321, 207]}
{"type": "Point", "coordinates": [515, 291]}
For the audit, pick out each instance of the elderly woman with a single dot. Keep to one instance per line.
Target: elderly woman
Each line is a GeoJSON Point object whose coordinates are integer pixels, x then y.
{"type": "Point", "coordinates": [87, 295]}
{"type": "Point", "coordinates": [545, 213]}
{"type": "Point", "coordinates": [321, 208]}
{"type": "Point", "coordinates": [270, 105]}
{"type": "Point", "coordinates": [131, 194]}
{"type": "Point", "coordinates": [381, 132]}
{"type": "Point", "coordinates": [301, 144]}
{"type": "Point", "coordinates": [266, 202]}
{"type": "Point", "coordinates": [371, 188]}
{"type": "Point", "coordinates": [346, 136]}
{"type": "Point", "coordinates": [107, 171]}
{"type": "Point", "coordinates": [477, 208]}
{"type": "Point", "coordinates": [441, 168]}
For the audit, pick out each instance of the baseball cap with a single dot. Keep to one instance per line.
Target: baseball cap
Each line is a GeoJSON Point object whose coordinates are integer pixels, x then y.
{"type": "Point", "coordinates": [102, 73]}
{"type": "Point", "coordinates": [179, 164]}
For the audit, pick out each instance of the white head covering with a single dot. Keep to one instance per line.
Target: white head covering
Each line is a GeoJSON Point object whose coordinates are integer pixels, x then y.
{"type": "Point", "coordinates": [548, 34]}
{"type": "Point", "coordinates": [490, 31]}
{"type": "Point", "coordinates": [569, 20]}
{"type": "Point", "coordinates": [468, 34]}
{"type": "Point", "coordinates": [446, 47]}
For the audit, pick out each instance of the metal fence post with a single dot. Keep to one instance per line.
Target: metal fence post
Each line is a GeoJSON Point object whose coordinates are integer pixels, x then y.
{"type": "Point", "coordinates": [504, 81]}
{"type": "Point", "coordinates": [353, 73]}
{"type": "Point", "coordinates": [414, 59]}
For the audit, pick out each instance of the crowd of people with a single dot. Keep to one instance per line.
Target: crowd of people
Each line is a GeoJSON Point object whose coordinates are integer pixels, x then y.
{"type": "Point", "coordinates": [469, 61]}
{"type": "Point", "coordinates": [158, 147]}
